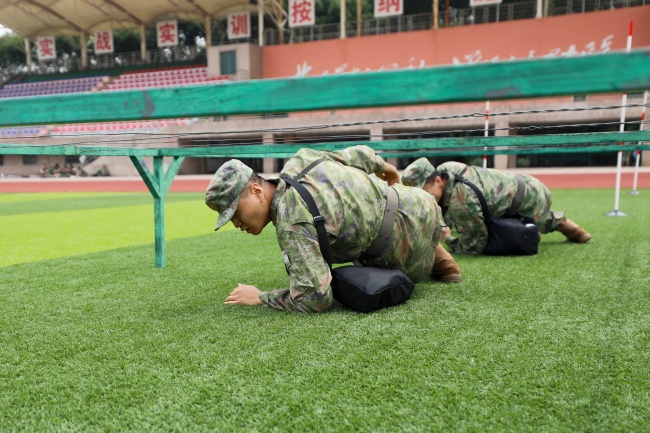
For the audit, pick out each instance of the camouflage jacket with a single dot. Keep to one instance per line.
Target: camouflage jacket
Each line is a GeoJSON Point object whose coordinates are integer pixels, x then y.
{"type": "Point", "coordinates": [500, 189]}
{"type": "Point", "coordinates": [352, 201]}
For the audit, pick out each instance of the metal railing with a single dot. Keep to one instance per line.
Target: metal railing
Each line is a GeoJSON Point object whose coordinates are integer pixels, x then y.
{"type": "Point", "coordinates": [564, 7]}
{"type": "Point", "coordinates": [71, 63]}
{"type": "Point", "coordinates": [379, 26]}
{"type": "Point", "coordinates": [452, 18]}
{"type": "Point", "coordinates": [158, 56]}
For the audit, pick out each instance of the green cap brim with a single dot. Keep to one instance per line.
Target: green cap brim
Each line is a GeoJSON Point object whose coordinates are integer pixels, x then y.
{"type": "Point", "coordinates": [227, 214]}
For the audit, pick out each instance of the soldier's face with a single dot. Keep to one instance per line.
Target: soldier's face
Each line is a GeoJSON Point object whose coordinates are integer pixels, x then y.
{"type": "Point", "coordinates": [436, 188]}
{"type": "Point", "coordinates": [253, 211]}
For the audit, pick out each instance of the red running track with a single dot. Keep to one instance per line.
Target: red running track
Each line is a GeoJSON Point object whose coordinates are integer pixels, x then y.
{"type": "Point", "coordinates": [554, 179]}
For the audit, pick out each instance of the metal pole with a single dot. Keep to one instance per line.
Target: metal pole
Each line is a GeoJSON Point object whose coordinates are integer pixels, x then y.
{"type": "Point", "coordinates": [28, 56]}
{"type": "Point", "coordinates": [359, 17]}
{"type": "Point", "coordinates": [638, 152]}
{"type": "Point", "coordinates": [84, 50]}
{"type": "Point", "coordinates": [281, 22]}
{"type": "Point", "coordinates": [435, 13]}
{"type": "Point", "coordinates": [208, 32]}
{"type": "Point", "coordinates": [260, 22]}
{"type": "Point", "coordinates": [619, 159]}
{"type": "Point", "coordinates": [342, 19]}
{"type": "Point", "coordinates": [446, 13]}
{"type": "Point", "coordinates": [143, 44]}
{"type": "Point", "coordinates": [487, 129]}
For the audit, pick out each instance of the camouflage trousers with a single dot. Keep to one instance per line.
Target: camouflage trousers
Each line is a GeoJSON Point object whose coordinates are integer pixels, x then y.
{"type": "Point", "coordinates": [537, 205]}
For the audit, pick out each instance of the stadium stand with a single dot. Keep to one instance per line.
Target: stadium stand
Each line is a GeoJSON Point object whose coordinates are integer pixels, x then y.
{"type": "Point", "coordinates": [117, 127]}
{"type": "Point", "coordinates": [164, 77]}
{"type": "Point", "coordinates": [177, 76]}
{"type": "Point", "coordinates": [131, 80]}
{"type": "Point", "coordinates": [29, 131]}
{"type": "Point", "coordinates": [44, 87]}
{"type": "Point", "coordinates": [52, 87]}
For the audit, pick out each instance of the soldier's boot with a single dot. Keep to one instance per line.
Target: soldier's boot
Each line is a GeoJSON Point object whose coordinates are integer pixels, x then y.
{"type": "Point", "coordinates": [573, 231]}
{"type": "Point", "coordinates": [445, 268]}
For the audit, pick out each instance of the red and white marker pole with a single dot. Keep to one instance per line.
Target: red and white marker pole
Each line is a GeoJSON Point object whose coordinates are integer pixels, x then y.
{"type": "Point", "coordinates": [619, 162]}
{"type": "Point", "coordinates": [487, 129]}
{"type": "Point", "coordinates": [638, 152]}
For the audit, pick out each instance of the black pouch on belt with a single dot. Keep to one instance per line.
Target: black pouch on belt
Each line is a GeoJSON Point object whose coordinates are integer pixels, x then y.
{"type": "Point", "coordinates": [508, 236]}
{"type": "Point", "coordinates": [362, 288]}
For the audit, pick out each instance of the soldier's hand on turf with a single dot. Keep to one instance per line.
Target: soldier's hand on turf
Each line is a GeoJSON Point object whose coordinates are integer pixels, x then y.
{"type": "Point", "coordinates": [389, 174]}
{"type": "Point", "coordinates": [244, 295]}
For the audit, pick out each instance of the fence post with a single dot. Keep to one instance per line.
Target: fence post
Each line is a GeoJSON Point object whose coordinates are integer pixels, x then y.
{"type": "Point", "coordinates": [159, 213]}
{"type": "Point", "coordinates": [158, 184]}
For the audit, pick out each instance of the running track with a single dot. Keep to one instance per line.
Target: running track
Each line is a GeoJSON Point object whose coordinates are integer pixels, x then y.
{"type": "Point", "coordinates": [553, 178]}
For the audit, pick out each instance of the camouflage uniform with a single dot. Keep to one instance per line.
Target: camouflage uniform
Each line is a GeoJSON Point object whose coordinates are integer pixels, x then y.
{"type": "Point", "coordinates": [417, 173]}
{"type": "Point", "coordinates": [352, 203]}
{"type": "Point", "coordinates": [499, 189]}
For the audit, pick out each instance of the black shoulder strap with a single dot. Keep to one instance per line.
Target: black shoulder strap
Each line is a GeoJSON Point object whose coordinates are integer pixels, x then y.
{"type": "Point", "coordinates": [309, 167]}
{"type": "Point", "coordinates": [519, 197]}
{"type": "Point", "coordinates": [479, 194]}
{"type": "Point", "coordinates": [319, 220]}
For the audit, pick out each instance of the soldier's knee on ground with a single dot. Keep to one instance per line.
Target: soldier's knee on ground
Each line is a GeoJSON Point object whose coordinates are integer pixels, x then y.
{"type": "Point", "coordinates": [445, 268]}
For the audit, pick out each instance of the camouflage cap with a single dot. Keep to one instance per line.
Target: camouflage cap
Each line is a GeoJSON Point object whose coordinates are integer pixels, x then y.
{"type": "Point", "coordinates": [417, 173]}
{"type": "Point", "coordinates": [450, 166]}
{"type": "Point", "coordinates": [224, 189]}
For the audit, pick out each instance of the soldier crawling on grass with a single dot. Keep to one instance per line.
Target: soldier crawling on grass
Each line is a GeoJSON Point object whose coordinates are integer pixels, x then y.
{"type": "Point", "coordinates": [462, 209]}
{"type": "Point", "coordinates": [350, 189]}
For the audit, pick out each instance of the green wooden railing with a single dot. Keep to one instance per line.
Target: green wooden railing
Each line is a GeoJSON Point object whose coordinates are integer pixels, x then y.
{"type": "Point", "coordinates": [607, 73]}
{"type": "Point", "coordinates": [603, 73]}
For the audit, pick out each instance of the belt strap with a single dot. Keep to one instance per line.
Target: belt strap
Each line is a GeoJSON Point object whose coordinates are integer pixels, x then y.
{"type": "Point", "coordinates": [481, 197]}
{"type": "Point", "coordinates": [319, 221]}
{"type": "Point", "coordinates": [387, 225]}
{"type": "Point", "coordinates": [519, 198]}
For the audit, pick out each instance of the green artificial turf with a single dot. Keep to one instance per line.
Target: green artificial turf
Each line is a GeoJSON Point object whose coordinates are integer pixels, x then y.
{"type": "Point", "coordinates": [105, 342]}
{"type": "Point", "coordinates": [53, 225]}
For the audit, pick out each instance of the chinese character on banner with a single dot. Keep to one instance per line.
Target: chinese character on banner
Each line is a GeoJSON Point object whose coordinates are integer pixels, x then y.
{"type": "Point", "coordinates": [238, 25]}
{"type": "Point", "coordinates": [46, 48]}
{"type": "Point", "coordinates": [388, 8]}
{"type": "Point", "coordinates": [103, 42]}
{"type": "Point", "coordinates": [167, 33]}
{"type": "Point", "coordinates": [302, 13]}
{"type": "Point", "coordinates": [475, 3]}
